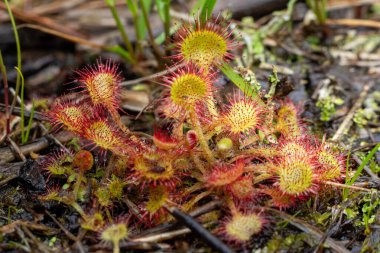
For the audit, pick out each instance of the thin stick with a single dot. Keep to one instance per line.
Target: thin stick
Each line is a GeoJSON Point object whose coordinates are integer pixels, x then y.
{"type": "Point", "coordinates": [41, 247]}
{"type": "Point", "coordinates": [65, 36]}
{"type": "Point", "coordinates": [29, 17]}
{"type": "Point", "coordinates": [17, 149]}
{"type": "Point", "coordinates": [162, 236]}
{"type": "Point", "coordinates": [50, 136]}
{"type": "Point", "coordinates": [17, 112]}
{"type": "Point", "coordinates": [352, 187]}
{"type": "Point", "coordinates": [167, 226]}
{"type": "Point", "coordinates": [67, 232]}
{"type": "Point", "coordinates": [147, 78]}
{"type": "Point", "coordinates": [205, 208]}
{"type": "Point", "coordinates": [128, 245]}
{"type": "Point", "coordinates": [348, 119]}
{"type": "Point", "coordinates": [7, 155]}
{"type": "Point", "coordinates": [354, 22]}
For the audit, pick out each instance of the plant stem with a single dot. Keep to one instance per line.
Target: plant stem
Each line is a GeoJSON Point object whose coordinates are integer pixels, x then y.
{"type": "Point", "coordinates": [77, 184]}
{"type": "Point", "coordinates": [116, 117]}
{"type": "Point", "coordinates": [231, 205]}
{"type": "Point", "coordinates": [6, 93]}
{"type": "Point", "coordinates": [18, 48]}
{"type": "Point", "coordinates": [202, 140]}
{"type": "Point", "coordinates": [163, 9]}
{"type": "Point", "coordinates": [132, 6]}
{"type": "Point", "coordinates": [190, 203]}
{"type": "Point", "coordinates": [116, 247]}
{"type": "Point", "coordinates": [119, 24]}
{"type": "Point", "coordinates": [198, 163]}
{"type": "Point", "coordinates": [156, 51]}
{"type": "Point", "coordinates": [29, 123]}
{"type": "Point", "coordinates": [167, 20]}
{"type": "Point", "coordinates": [22, 106]}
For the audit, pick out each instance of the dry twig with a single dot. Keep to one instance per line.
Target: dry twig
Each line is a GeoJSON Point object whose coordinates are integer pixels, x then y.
{"type": "Point", "coordinates": [354, 22]}
{"type": "Point", "coordinates": [303, 226]}
{"type": "Point", "coordinates": [147, 78]}
{"type": "Point", "coordinates": [7, 155]}
{"type": "Point", "coordinates": [348, 119]}
{"type": "Point", "coordinates": [44, 21]}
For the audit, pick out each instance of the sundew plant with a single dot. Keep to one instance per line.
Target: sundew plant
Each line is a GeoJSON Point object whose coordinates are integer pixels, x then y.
{"type": "Point", "coordinates": [248, 150]}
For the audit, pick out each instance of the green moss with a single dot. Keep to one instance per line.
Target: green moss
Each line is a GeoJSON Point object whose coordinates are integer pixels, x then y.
{"type": "Point", "coordinates": [371, 111]}
{"type": "Point", "coordinates": [327, 106]}
{"type": "Point", "coordinates": [292, 243]}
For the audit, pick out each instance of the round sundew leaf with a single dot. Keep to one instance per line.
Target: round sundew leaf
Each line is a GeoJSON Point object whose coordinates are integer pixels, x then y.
{"type": "Point", "coordinates": [204, 48]}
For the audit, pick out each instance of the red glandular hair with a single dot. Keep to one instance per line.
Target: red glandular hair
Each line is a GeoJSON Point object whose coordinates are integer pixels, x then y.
{"type": "Point", "coordinates": [205, 44]}
{"type": "Point", "coordinates": [187, 88]}
{"type": "Point", "coordinates": [70, 114]}
{"type": "Point", "coordinates": [101, 82]}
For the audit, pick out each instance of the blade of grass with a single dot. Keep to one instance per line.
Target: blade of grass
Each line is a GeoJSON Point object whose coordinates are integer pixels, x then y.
{"type": "Point", "coordinates": [30, 122]}
{"type": "Point", "coordinates": [167, 18]}
{"type": "Point", "coordinates": [120, 51]}
{"type": "Point", "coordinates": [156, 51]}
{"type": "Point", "coordinates": [240, 82]}
{"type": "Point", "coordinates": [162, 37]}
{"type": "Point", "coordinates": [133, 8]}
{"type": "Point", "coordinates": [18, 49]}
{"type": "Point", "coordinates": [22, 106]}
{"type": "Point", "coordinates": [6, 93]}
{"type": "Point", "coordinates": [163, 7]}
{"type": "Point", "coordinates": [207, 8]}
{"type": "Point", "coordinates": [141, 22]}
{"type": "Point", "coordinates": [324, 11]}
{"type": "Point", "coordinates": [345, 191]}
{"type": "Point", "coordinates": [318, 7]}
{"type": "Point", "coordinates": [364, 163]}
{"type": "Point", "coordinates": [112, 6]}
{"type": "Point", "coordinates": [366, 160]}
{"type": "Point", "coordinates": [197, 7]}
